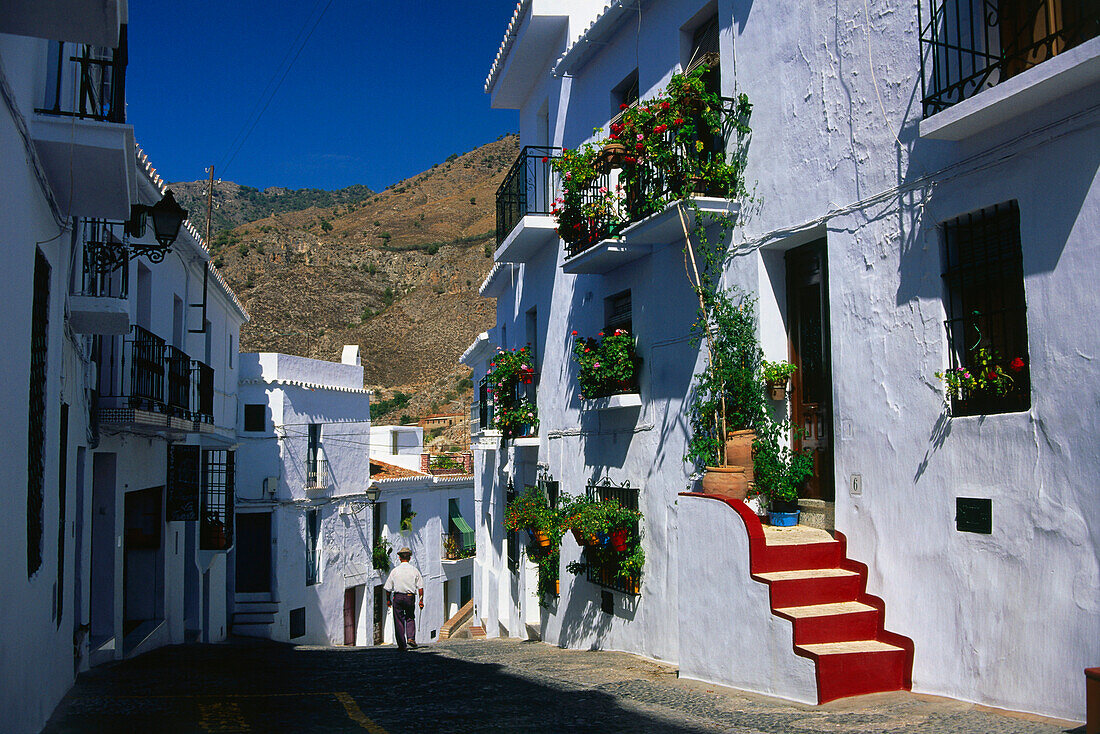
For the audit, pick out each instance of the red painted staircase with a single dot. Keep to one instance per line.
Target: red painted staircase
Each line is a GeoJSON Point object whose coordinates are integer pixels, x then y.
{"type": "Point", "coordinates": [823, 593]}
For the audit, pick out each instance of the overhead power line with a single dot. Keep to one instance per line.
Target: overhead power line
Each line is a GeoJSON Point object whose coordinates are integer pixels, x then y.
{"type": "Point", "coordinates": [254, 116]}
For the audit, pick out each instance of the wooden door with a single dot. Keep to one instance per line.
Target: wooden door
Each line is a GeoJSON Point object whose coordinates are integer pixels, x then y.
{"type": "Point", "coordinates": [349, 616]}
{"type": "Point", "coordinates": [811, 384]}
{"type": "Point", "coordinates": [253, 557]}
{"type": "Point", "coordinates": [379, 613]}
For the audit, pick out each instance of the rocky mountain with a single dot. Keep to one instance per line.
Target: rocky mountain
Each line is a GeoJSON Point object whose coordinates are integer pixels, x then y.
{"type": "Point", "coordinates": [396, 272]}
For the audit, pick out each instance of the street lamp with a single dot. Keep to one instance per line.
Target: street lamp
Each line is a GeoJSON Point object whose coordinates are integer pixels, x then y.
{"type": "Point", "coordinates": [167, 217]}
{"type": "Point", "coordinates": [372, 493]}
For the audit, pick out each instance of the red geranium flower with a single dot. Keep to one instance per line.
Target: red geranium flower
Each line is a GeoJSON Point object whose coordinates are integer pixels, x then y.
{"type": "Point", "coordinates": [574, 333]}
{"type": "Point", "coordinates": [545, 158]}
{"type": "Point", "coordinates": [1017, 364]}
{"type": "Point", "coordinates": [660, 128]}
{"type": "Point", "coordinates": [613, 136]}
{"type": "Point", "coordinates": [664, 105]}
{"type": "Point", "coordinates": [678, 121]}
{"type": "Point", "coordinates": [623, 106]}
{"type": "Point", "coordinates": [639, 146]}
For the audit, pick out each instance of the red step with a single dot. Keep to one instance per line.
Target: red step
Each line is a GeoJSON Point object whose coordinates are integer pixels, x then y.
{"type": "Point", "coordinates": [836, 623]}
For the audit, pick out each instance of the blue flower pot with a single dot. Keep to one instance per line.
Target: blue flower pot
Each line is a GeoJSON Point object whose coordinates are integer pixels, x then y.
{"type": "Point", "coordinates": [783, 519]}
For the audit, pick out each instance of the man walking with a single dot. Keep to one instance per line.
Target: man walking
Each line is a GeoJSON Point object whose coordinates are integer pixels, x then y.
{"type": "Point", "coordinates": [402, 586]}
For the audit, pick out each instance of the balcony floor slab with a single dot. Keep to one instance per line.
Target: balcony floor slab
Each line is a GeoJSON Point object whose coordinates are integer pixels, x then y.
{"type": "Point", "coordinates": [526, 239]}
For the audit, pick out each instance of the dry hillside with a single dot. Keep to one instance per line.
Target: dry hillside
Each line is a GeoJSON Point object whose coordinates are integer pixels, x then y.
{"type": "Point", "coordinates": [396, 272]}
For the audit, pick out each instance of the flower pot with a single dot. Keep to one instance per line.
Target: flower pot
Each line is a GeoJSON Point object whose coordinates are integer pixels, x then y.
{"type": "Point", "coordinates": [539, 538]}
{"type": "Point", "coordinates": [619, 539]}
{"type": "Point", "coordinates": [726, 481]}
{"type": "Point", "coordinates": [778, 389]}
{"type": "Point", "coordinates": [603, 539]}
{"type": "Point", "coordinates": [557, 587]}
{"type": "Point", "coordinates": [584, 539]}
{"type": "Point", "coordinates": [611, 156]}
{"type": "Point", "coordinates": [783, 519]}
{"type": "Point", "coordinates": [739, 451]}
{"type": "Point", "coordinates": [783, 505]}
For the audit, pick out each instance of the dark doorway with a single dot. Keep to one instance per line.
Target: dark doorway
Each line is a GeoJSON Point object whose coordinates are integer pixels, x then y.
{"type": "Point", "coordinates": [379, 613]}
{"type": "Point", "coordinates": [253, 573]}
{"type": "Point", "coordinates": [142, 568]}
{"type": "Point", "coordinates": [349, 616]}
{"type": "Point", "coordinates": [811, 384]}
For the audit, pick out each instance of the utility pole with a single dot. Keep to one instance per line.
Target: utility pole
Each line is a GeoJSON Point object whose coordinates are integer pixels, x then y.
{"type": "Point", "coordinates": [206, 266]}
{"type": "Point", "coordinates": [209, 204]}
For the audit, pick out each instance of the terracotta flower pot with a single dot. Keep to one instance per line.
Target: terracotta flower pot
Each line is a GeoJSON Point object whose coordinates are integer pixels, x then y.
{"type": "Point", "coordinates": [739, 451]}
{"type": "Point", "coordinates": [726, 481]}
{"type": "Point", "coordinates": [611, 156]}
{"type": "Point", "coordinates": [778, 389]}
{"type": "Point", "coordinates": [584, 539]}
{"type": "Point", "coordinates": [557, 587]}
{"type": "Point", "coordinates": [540, 538]}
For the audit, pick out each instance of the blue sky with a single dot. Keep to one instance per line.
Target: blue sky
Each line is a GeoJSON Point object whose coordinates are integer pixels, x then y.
{"type": "Point", "coordinates": [380, 92]}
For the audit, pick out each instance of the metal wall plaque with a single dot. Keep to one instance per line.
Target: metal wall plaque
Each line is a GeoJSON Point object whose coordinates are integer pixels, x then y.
{"type": "Point", "coordinates": [974, 515]}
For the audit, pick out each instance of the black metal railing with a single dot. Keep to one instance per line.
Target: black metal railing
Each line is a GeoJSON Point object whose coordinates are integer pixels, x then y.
{"type": "Point", "coordinates": [141, 371]}
{"type": "Point", "coordinates": [527, 188]}
{"type": "Point", "coordinates": [106, 263]}
{"type": "Point", "coordinates": [178, 371]}
{"type": "Point", "coordinates": [481, 412]}
{"type": "Point", "coordinates": [627, 496]}
{"type": "Point", "coordinates": [970, 45]}
{"type": "Point", "coordinates": [316, 473]}
{"type": "Point", "coordinates": [202, 398]}
{"type": "Point", "coordinates": [648, 187]}
{"type": "Point", "coordinates": [100, 82]}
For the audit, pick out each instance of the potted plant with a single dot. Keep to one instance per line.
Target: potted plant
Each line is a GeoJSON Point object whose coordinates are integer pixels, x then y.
{"type": "Point", "coordinates": [622, 524]}
{"type": "Point", "coordinates": [776, 375]}
{"type": "Point", "coordinates": [407, 521]}
{"type": "Point", "coordinates": [515, 414]}
{"type": "Point", "coordinates": [780, 471]}
{"type": "Point", "coordinates": [728, 403]}
{"type": "Point", "coordinates": [987, 375]}
{"type": "Point", "coordinates": [530, 511]}
{"type": "Point", "coordinates": [608, 364]}
{"type": "Point", "coordinates": [380, 555]}
{"type": "Point", "coordinates": [586, 519]}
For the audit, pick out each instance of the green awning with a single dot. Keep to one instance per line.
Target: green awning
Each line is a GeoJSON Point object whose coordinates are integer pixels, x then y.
{"type": "Point", "coordinates": [463, 529]}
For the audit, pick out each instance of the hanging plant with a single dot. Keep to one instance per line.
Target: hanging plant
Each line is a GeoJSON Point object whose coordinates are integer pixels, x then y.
{"type": "Point", "coordinates": [515, 414]}
{"type": "Point", "coordinates": [608, 364]}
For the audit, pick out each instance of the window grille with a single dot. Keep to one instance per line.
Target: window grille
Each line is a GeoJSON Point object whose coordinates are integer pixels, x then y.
{"type": "Point", "coordinates": [618, 311]}
{"type": "Point", "coordinates": [216, 520]}
{"type": "Point", "coordinates": [36, 416]}
{"type": "Point", "coordinates": [967, 46]}
{"type": "Point", "coordinates": [62, 491]}
{"type": "Point", "coordinates": [313, 556]}
{"type": "Point", "coordinates": [510, 536]}
{"type": "Point", "coordinates": [627, 496]}
{"type": "Point", "coordinates": [984, 300]}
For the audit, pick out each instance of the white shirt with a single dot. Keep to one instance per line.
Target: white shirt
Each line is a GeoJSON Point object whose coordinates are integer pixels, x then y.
{"type": "Point", "coordinates": [404, 579]}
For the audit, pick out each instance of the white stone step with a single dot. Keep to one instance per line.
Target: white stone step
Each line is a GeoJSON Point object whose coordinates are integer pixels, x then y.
{"type": "Point", "coordinates": [826, 610]}
{"type": "Point", "coordinates": [809, 573]}
{"type": "Point", "coordinates": [846, 648]}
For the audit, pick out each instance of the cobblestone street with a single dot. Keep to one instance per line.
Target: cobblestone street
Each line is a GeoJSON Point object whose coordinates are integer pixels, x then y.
{"type": "Point", "coordinates": [467, 686]}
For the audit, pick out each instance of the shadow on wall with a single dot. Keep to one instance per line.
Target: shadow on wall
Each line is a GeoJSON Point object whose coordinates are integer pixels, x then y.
{"type": "Point", "coordinates": [583, 620]}
{"type": "Point", "coordinates": [339, 688]}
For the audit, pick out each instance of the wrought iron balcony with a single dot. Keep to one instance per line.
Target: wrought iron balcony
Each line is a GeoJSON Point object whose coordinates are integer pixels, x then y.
{"type": "Point", "coordinates": [527, 189]}
{"type": "Point", "coordinates": [316, 473]}
{"type": "Point", "coordinates": [455, 548]}
{"type": "Point", "coordinates": [651, 187]}
{"type": "Point", "coordinates": [100, 81]}
{"type": "Point", "coordinates": [481, 412]}
{"type": "Point", "coordinates": [148, 383]}
{"type": "Point", "coordinates": [967, 46]}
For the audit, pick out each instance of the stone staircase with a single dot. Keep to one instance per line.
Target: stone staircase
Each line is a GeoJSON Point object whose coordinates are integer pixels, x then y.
{"type": "Point", "coordinates": [253, 618]}
{"type": "Point", "coordinates": [823, 594]}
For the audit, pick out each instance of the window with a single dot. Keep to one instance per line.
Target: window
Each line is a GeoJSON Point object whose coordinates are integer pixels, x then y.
{"type": "Point", "coordinates": [407, 514]}
{"type": "Point", "coordinates": [604, 576]}
{"type": "Point", "coordinates": [316, 467]}
{"type": "Point", "coordinates": [297, 622]}
{"type": "Point", "coordinates": [986, 312]}
{"type": "Point", "coordinates": [255, 417]}
{"type": "Point", "coordinates": [704, 52]}
{"type": "Point", "coordinates": [395, 442]}
{"type": "Point", "coordinates": [216, 518]}
{"type": "Point", "coordinates": [62, 491]}
{"type": "Point", "coordinates": [625, 92]}
{"type": "Point", "coordinates": [968, 47]}
{"type": "Point", "coordinates": [378, 511]}
{"type": "Point", "coordinates": [36, 423]}
{"type": "Point", "coordinates": [510, 536]}
{"type": "Point", "coordinates": [617, 312]}
{"type": "Point", "coordinates": [313, 547]}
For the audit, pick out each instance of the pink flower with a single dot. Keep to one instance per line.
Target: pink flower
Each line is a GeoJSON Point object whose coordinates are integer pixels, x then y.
{"type": "Point", "coordinates": [596, 366]}
{"type": "Point", "coordinates": [603, 189]}
{"type": "Point", "coordinates": [641, 137]}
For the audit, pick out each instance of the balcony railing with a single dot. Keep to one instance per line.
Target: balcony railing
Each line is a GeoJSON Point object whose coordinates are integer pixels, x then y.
{"type": "Point", "coordinates": [142, 372]}
{"type": "Point", "coordinates": [106, 263]}
{"type": "Point", "coordinates": [970, 45]}
{"type": "Point", "coordinates": [100, 80]}
{"type": "Point", "coordinates": [481, 412]}
{"type": "Point", "coordinates": [527, 188]}
{"type": "Point", "coordinates": [650, 187]}
{"type": "Point", "coordinates": [316, 473]}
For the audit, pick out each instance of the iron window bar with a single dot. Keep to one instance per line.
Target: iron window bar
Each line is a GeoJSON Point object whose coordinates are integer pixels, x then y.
{"type": "Point", "coordinates": [101, 79]}
{"type": "Point", "coordinates": [527, 188]}
{"type": "Point", "coordinates": [967, 46]}
{"type": "Point", "coordinates": [984, 300]}
{"type": "Point", "coordinates": [202, 381]}
{"type": "Point", "coordinates": [106, 261]}
{"type": "Point", "coordinates": [627, 496]}
{"type": "Point", "coordinates": [316, 473]}
{"type": "Point", "coordinates": [179, 381]}
{"type": "Point", "coordinates": [216, 517]}
{"type": "Point", "coordinates": [511, 538]}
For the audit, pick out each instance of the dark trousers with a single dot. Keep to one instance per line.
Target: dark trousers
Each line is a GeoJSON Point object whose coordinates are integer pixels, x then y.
{"type": "Point", "coordinates": [404, 618]}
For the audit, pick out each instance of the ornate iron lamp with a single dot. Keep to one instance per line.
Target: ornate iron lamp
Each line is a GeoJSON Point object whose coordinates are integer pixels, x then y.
{"type": "Point", "coordinates": [372, 493]}
{"type": "Point", "coordinates": [167, 218]}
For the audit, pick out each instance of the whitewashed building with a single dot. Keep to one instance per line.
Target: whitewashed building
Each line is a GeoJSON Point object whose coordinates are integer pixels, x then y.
{"type": "Point", "coordinates": [303, 552]}
{"type": "Point", "coordinates": [98, 568]}
{"type": "Point", "coordinates": [909, 164]}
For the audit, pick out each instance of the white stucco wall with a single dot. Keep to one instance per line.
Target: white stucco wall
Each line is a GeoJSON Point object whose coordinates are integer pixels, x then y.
{"type": "Point", "coordinates": [836, 154]}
